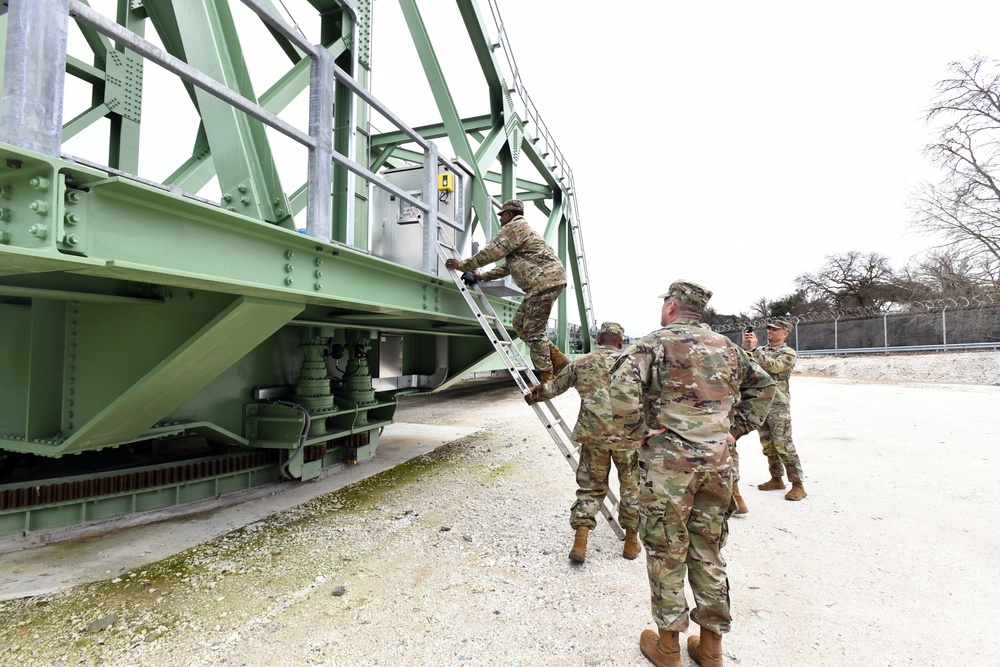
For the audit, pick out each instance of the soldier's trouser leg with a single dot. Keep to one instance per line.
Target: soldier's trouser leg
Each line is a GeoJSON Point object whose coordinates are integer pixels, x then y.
{"type": "Point", "coordinates": [530, 322]}
{"type": "Point", "coordinates": [767, 445]}
{"type": "Point", "coordinates": [781, 443]}
{"type": "Point", "coordinates": [736, 462]}
{"type": "Point", "coordinates": [708, 527]}
{"type": "Point", "coordinates": [592, 484]}
{"type": "Point", "coordinates": [627, 464]}
{"type": "Point", "coordinates": [682, 522]}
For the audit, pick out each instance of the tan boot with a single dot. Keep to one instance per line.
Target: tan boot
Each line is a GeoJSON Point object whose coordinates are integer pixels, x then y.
{"type": "Point", "coordinates": [706, 649]}
{"type": "Point", "coordinates": [663, 650]}
{"type": "Point", "coordinates": [632, 548]}
{"type": "Point", "coordinates": [579, 551]}
{"type": "Point", "coordinates": [798, 492]}
{"type": "Point", "coordinates": [741, 507]}
{"type": "Point", "coordinates": [775, 484]}
{"type": "Point", "coordinates": [545, 376]}
{"type": "Point", "coordinates": [559, 360]}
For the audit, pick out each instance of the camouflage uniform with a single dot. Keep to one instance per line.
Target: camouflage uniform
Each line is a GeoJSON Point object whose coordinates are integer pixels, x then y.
{"type": "Point", "coordinates": [600, 442]}
{"type": "Point", "coordinates": [684, 379]}
{"type": "Point", "coordinates": [776, 431]}
{"type": "Point", "coordinates": [535, 268]}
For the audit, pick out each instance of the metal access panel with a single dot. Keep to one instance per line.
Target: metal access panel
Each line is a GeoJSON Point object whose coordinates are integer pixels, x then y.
{"type": "Point", "coordinates": [397, 226]}
{"type": "Point", "coordinates": [390, 355]}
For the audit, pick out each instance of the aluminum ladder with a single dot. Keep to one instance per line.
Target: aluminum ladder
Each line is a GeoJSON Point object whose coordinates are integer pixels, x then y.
{"type": "Point", "coordinates": [523, 375]}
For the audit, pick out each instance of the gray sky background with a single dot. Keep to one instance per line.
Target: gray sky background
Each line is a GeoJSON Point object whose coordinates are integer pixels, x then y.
{"type": "Point", "coordinates": [731, 143]}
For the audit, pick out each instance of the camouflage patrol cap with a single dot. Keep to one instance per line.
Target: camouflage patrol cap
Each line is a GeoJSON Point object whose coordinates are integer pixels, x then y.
{"type": "Point", "coordinates": [612, 328]}
{"type": "Point", "coordinates": [512, 205]}
{"type": "Point", "coordinates": [690, 293]}
{"type": "Point", "coordinates": [780, 323]}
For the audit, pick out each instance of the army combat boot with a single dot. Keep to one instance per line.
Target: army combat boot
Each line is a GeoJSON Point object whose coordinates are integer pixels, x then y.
{"type": "Point", "coordinates": [741, 507]}
{"type": "Point", "coordinates": [706, 649]}
{"type": "Point", "coordinates": [798, 492]}
{"type": "Point", "coordinates": [774, 484]}
{"type": "Point", "coordinates": [663, 650]}
{"type": "Point", "coordinates": [632, 548]}
{"type": "Point", "coordinates": [579, 551]}
{"type": "Point", "coordinates": [559, 360]}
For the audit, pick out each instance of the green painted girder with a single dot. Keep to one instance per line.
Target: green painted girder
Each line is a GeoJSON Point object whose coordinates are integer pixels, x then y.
{"type": "Point", "coordinates": [432, 131]}
{"type": "Point", "coordinates": [132, 231]}
{"type": "Point", "coordinates": [123, 141]}
{"type": "Point", "coordinates": [204, 35]}
{"type": "Point", "coordinates": [449, 113]}
{"type": "Point", "coordinates": [199, 168]}
{"type": "Point", "coordinates": [215, 347]}
{"type": "Point", "coordinates": [83, 71]}
{"type": "Point", "coordinates": [578, 285]}
{"type": "Point", "coordinates": [528, 190]}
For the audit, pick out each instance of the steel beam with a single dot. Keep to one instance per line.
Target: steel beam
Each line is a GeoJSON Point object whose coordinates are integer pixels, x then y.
{"type": "Point", "coordinates": [199, 168]}
{"type": "Point", "coordinates": [215, 347]}
{"type": "Point", "coordinates": [207, 40]}
{"type": "Point", "coordinates": [449, 113]}
{"type": "Point", "coordinates": [432, 131]}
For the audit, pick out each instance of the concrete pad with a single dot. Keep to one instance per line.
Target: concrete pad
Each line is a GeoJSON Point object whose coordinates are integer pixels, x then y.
{"type": "Point", "coordinates": [39, 564]}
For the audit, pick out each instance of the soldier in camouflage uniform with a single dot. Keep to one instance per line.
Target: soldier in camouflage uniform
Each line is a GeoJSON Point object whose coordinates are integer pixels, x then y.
{"type": "Point", "coordinates": [676, 388]}
{"type": "Point", "coordinates": [600, 443]}
{"type": "Point", "coordinates": [741, 506]}
{"type": "Point", "coordinates": [778, 359]}
{"type": "Point", "coordinates": [533, 265]}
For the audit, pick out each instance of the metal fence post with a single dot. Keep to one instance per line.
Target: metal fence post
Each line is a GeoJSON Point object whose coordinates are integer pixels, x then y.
{"type": "Point", "coordinates": [885, 331]}
{"type": "Point", "coordinates": [31, 109]}
{"type": "Point", "coordinates": [835, 341]}
{"type": "Point", "coordinates": [431, 215]}
{"type": "Point", "coordinates": [944, 327]}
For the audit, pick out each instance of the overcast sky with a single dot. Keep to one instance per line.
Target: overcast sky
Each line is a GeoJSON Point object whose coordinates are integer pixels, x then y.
{"type": "Point", "coordinates": [731, 143]}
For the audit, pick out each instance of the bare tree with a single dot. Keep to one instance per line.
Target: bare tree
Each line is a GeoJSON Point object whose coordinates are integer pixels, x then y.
{"type": "Point", "coordinates": [941, 273]}
{"type": "Point", "coordinates": [964, 208]}
{"type": "Point", "coordinates": [851, 280]}
{"type": "Point", "coordinates": [761, 308]}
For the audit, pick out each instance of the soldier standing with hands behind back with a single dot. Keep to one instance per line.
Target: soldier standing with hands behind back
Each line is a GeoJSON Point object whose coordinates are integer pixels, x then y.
{"type": "Point", "coordinates": [775, 433]}
{"type": "Point", "coordinates": [677, 387]}
{"type": "Point", "coordinates": [536, 269]}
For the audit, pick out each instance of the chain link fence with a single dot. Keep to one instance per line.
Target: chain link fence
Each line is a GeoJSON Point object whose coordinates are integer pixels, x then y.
{"type": "Point", "coordinates": [945, 324]}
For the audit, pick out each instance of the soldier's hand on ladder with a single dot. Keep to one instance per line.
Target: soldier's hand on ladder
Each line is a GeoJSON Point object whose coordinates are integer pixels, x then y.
{"type": "Point", "coordinates": [470, 277]}
{"type": "Point", "coordinates": [534, 395]}
{"type": "Point", "coordinates": [452, 263]}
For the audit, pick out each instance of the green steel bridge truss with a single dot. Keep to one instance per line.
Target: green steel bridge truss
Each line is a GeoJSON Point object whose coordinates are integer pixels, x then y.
{"type": "Point", "coordinates": [133, 310]}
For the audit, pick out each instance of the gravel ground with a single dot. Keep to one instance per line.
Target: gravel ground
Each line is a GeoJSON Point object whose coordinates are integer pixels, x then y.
{"type": "Point", "coordinates": [972, 367]}
{"type": "Point", "coordinates": [459, 557]}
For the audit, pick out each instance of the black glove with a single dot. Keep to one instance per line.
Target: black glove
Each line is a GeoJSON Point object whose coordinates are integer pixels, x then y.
{"type": "Point", "coordinates": [470, 278]}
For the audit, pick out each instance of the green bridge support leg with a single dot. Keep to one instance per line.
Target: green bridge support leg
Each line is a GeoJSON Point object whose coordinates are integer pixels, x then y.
{"type": "Point", "coordinates": [218, 345]}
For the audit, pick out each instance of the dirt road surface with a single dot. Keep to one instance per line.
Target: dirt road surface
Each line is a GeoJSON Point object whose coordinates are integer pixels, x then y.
{"type": "Point", "coordinates": [459, 557]}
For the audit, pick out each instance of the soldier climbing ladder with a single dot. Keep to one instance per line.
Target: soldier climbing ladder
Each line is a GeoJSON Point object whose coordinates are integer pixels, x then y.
{"type": "Point", "coordinates": [519, 369]}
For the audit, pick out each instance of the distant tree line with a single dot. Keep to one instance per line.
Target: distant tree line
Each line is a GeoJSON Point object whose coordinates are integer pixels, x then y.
{"type": "Point", "coordinates": [961, 212]}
